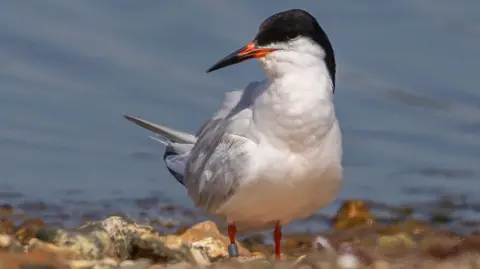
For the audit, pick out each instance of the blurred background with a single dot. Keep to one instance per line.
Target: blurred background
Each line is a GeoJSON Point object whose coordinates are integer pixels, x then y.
{"type": "Point", "coordinates": [407, 96]}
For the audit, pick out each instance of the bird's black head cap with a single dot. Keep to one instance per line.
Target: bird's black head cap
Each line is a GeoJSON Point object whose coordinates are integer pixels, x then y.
{"type": "Point", "coordinates": [290, 24]}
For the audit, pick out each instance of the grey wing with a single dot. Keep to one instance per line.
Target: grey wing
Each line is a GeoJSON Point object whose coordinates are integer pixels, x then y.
{"type": "Point", "coordinates": [218, 160]}
{"type": "Point", "coordinates": [216, 166]}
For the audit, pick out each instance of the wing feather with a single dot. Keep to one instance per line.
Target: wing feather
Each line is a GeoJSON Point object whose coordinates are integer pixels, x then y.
{"type": "Point", "coordinates": [219, 159]}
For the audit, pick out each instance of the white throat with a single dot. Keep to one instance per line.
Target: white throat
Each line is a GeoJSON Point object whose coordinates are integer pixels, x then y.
{"type": "Point", "coordinates": [300, 58]}
{"type": "Point", "coordinates": [296, 109]}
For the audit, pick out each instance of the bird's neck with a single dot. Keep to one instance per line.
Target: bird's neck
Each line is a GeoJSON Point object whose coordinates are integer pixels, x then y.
{"type": "Point", "coordinates": [300, 72]}
{"type": "Point", "coordinates": [296, 109]}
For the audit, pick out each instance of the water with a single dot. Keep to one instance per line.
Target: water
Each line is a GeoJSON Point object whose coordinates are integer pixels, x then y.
{"type": "Point", "coordinates": [407, 93]}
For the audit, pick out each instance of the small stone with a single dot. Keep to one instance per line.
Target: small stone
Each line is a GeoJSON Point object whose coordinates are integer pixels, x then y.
{"type": "Point", "coordinates": [104, 266]}
{"type": "Point", "coordinates": [157, 266]}
{"type": "Point", "coordinates": [28, 229]}
{"type": "Point", "coordinates": [82, 264]}
{"type": "Point", "coordinates": [258, 254]}
{"type": "Point", "coordinates": [209, 250]}
{"type": "Point", "coordinates": [126, 263]}
{"type": "Point", "coordinates": [8, 243]}
{"type": "Point", "coordinates": [314, 260]}
{"type": "Point", "coordinates": [210, 229]}
{"type": "Point", "coordinates": [245, 259]}
{"type": "Point", "coordinates": [180, 265]}
{"type": "Point", "coordinates": [110, 261]}
{"type": "Point", "coordinates": [322, 243]}
{"type": "Point", "coordinates": [395, 241]}
{"type": "Point", "coordinates": [348, 261]}
{"type": "Point", "coordinates": [379, 264]}
{"type": "Point", "coordinates": [5, 241]}
{"type": "Point", "coordinates": [137, 264]}
{"type": "Point", "coordinates": [353, 214]}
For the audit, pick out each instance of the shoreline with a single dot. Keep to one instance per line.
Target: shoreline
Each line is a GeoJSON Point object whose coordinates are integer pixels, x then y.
{"type": "Point", "coordinates": [355, 235]}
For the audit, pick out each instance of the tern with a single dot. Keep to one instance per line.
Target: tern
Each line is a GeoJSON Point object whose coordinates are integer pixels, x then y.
{"type": "Point", "coordinates": [273, 151]}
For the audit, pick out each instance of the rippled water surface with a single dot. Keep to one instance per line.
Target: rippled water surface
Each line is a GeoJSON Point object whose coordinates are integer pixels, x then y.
{"type": "Point", "coordinates": [407, 98]}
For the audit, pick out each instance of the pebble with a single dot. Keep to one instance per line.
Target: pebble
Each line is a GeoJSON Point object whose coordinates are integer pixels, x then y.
{"type": "Point", "coordinates": [126, 263]}
{"type": "Point", "coordinates": [5, 241]}
{"type": "Point", "coordinates": [157, 266]}
{"type": "Point", "coordinates": [137, 264]}
{"type": "Point", "coordinates": [104, 266]}
{"type": "Point", "coordinates": [322, 243]}
{"type": "Point", "coordinates": [82, 264]}
{"type": "Point", "coordinates": [379, 264]}
{"type": "Point", "coordinates": [94, 264]}
{"type": "Point", "coordinates": [180, 265]}
{"type": "Point", "coordinates": [348, 261]}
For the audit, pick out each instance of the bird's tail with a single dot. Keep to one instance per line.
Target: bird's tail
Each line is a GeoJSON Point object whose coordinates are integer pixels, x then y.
{"type": "Point", "coordinates": [166, 135]}
{"type": "Point", "coordinates": [178, 145]}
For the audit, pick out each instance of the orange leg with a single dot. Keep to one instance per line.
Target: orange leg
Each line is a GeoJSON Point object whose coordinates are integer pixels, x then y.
{"type": "Point", "coordinates": [232, 248]}
{"type": "Point", "coordinates": [277, 236]}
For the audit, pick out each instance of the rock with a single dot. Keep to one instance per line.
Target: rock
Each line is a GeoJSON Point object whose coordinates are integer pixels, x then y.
{"type": "Point", "coordinates": [127, 263]}
{"type": "Point", "coordinates": [349, 257]}
{"type": "Point", "coordinates": [82, 264]}
{"type": "Point", "coordinates": [348, 261]}
{"type": "Point", "coordinates": [119, 238]}
{"type": "Point", "coordinates": [209, 229]}
{"type": "Point", "coordinates": [169, 248]}
{"type": "Point", "coordinates": [180, 265]}
{"type": "Point", "coordinates": [379, 264]}
{"type": "Point", "coordinates": [157, 266]}
{"type": "Point", "coordinates": [34, 259]}
{"type": "Point", "coordinates": [396, 241]}
{"type": "Point", "coordinates": [323, 243]}
{"type": "Point", "coordinates": [353, 214]}
{"type": "Point", "coordinates": [137, 264]}
{"type": "Point", "coordinates": [106, 264]}
{"type": "Point", "coordinates": [75, 244]}
{"type": "Point", "coordinates": [208, 250]}
{"type": "Point", "coordinates": [94, 264]}
{"type": "Point", "coordinates": [28, 229]}
{"type": "Point", "coordinates": [315, 261]}
{"type": "Point", "coordinates": [8, 243]}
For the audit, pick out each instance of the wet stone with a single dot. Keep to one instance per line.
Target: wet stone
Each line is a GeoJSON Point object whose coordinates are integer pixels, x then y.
{"type": "Point", "coordinates": [137, 264]}
{"type": "Point", "coordinates": [353, 214]}
{"type": "Point", "coordinates": [10, 244]}
{"type": "Point", "coordinates": [118, 238]}
{"type": "Point", "coordinates": [28, 229]}
{"type": "Point", "coordinates": [206, 229]}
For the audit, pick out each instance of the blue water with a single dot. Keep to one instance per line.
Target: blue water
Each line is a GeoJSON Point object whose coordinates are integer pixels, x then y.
{"type": "Point", "coordinates": [407, 98]}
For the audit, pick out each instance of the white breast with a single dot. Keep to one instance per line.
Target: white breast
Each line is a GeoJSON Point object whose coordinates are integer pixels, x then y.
{"type": "Point", "coordinates": [287, 186]}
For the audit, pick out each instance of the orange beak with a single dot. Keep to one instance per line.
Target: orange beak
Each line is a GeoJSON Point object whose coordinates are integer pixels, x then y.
{"type": "Point", "coordinates": [248, 51]}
